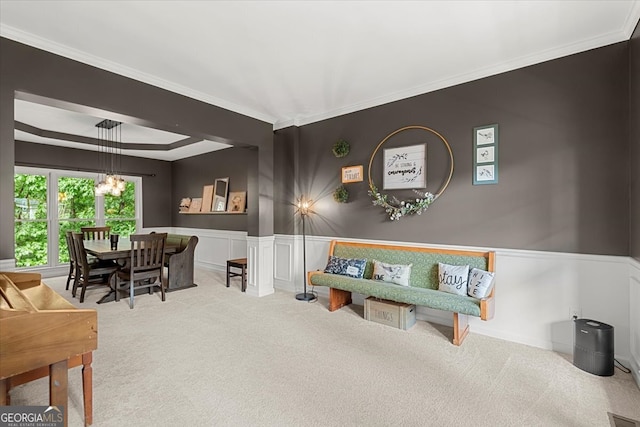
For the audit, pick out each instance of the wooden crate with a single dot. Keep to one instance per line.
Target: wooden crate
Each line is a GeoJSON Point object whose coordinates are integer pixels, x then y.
{"type": "Point", "coordinates": [391, 313]}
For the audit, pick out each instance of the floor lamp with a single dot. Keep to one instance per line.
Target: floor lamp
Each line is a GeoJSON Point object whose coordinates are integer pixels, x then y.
{"type": "Point", "coordinates": [303, 209]}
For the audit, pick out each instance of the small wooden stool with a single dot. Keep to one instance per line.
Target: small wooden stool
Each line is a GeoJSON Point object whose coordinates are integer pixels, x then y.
{"type": "Point", "coordinates": [240, 263]}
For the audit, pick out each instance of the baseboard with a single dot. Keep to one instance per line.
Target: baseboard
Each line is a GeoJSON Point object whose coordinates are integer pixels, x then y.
{"type": "Point", "coordinates": [635, 371]}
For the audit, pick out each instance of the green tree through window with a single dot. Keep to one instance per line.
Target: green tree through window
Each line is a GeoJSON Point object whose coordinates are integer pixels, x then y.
{"type": "Point", "coordinates": [41, 224]}
{"type": "Point", "coordinates": [120, 212]}
{"type": "Point", "coordinates": [76, 208]}
{"type": "Point", "coordinates": [31, 222]}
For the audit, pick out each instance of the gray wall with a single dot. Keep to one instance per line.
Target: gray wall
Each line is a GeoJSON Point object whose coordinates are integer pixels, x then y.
{"type": "Point", "coordinates": [563, 160]}
{"type": "Point", "coordinates": [35, 74]}
{"type": "Point", "coordinates": [286, 175]}
{"type": "Point", "coordinates": [634, 142]}
{"type": "Point", "coordinates": [193, 173]}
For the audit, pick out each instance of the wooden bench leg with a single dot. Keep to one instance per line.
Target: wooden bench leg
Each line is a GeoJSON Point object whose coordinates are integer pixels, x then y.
{"type": "Point", "coordinates": [58, 387]}
{"type": "Point", "coordinates": [87, 387]}
{"type": "Point", "coordinates": [338, 298]}
{"type": "Point", "coordinates": [460, 327]}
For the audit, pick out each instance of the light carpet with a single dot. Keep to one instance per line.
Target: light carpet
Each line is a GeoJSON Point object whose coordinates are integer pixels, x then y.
{"type": "Point", "coordinates": [213, 356]}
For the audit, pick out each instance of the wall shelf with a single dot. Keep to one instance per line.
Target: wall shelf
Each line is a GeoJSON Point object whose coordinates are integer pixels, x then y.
{"type": "Point", "coordinates": [212, 213]}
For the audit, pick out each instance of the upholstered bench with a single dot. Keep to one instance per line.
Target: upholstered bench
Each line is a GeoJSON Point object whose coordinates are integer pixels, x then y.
{"type": "Point", "coordinates": [423, 281]}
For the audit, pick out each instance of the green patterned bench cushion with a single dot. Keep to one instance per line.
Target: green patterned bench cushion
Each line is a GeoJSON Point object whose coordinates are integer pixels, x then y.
{"type": "Point", "coordinates": [410, 295]}
{"type": "Point", "coordinates": [424, 271]}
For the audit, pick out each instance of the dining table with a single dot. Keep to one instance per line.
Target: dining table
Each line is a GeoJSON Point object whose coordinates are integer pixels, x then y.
{"type": "Point", "coordinates": [101, 249]}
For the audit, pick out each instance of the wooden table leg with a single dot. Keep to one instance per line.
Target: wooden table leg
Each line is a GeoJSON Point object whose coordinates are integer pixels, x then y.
{"type": "Point", "coordinates": [4, 392]}
{"type": "Point", "coordinates": [228, 271]}
{"type": "Point", "coordinates": [58, 387]}
{"type": "Point", "coordinates": [87, 387]}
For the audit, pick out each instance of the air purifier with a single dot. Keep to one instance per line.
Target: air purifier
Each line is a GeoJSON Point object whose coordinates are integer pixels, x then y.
{"type": "Point", "coordinates": [593, 350]}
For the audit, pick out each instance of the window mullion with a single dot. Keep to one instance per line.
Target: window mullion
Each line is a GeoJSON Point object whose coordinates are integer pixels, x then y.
{"type": "Point", "coordinates": [52, 218]}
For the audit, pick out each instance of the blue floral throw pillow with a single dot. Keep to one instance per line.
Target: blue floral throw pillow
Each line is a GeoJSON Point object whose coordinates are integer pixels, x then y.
{"type": "Point", "coordinates": [346, 267]}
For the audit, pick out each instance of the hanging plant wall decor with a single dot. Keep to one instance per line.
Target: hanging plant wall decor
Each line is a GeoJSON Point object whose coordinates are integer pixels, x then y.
{"type": "Point", "coordinates": [341, 194]}
{"type": "Point", "coordinates": [395, 207]}
{"type": "Point", "coordinates": [340, 148]}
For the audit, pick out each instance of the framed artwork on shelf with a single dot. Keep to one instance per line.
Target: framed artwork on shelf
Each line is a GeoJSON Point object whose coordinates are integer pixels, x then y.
{"type": "Point", "coordinates": [237, 201]}
{"type": "Point", "coordinates": [220, 195]}
{"type": "Point", "coordinates": [405, 167]}
{"type": "Point", "coordinates": [196, 205]}
{"type": "Point", "coordinates": [207, 198]}
{"type": "Point", "coordinates": [184, 204]}
{"type": "Point", "coordinates": [352, 174]}
{"type": "Point", "coordinates": [485, 154]}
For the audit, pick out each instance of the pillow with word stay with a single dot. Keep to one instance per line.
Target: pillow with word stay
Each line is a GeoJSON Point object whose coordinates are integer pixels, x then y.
{"type": "Point", "coordinates": [346, 266]}
{"type": "Point", "coordinates": [453, 278]}
{"type": "Point", "coordinates": [393, 273]}
{"type": "Point", "coordinates": [480, 283]}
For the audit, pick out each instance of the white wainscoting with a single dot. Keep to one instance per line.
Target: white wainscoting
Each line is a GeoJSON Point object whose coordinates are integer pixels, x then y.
{"type": "Point", "coordinates": [634, 318]}
{"type": "Point", "coordinates": [535, 292]}
{"type": "Point", "coordinates": [215, 247]}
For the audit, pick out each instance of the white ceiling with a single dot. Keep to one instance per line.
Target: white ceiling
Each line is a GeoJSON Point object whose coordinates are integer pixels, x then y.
{"type": "Point", "coordinates": [296, 62]}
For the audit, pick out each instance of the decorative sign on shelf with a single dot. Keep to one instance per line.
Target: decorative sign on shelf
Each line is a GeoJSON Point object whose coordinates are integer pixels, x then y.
{"type": "Point", "coordinates": [405, 167]}
{"type": "Point", "coordinates": [352, 174]}
{"type": "Point", "coordinates": [196, 205]}
{"type": "Point", "coordinates": [237, 201]}
{"type": "Point", "coordinates": [485, 155]}
{"type": "Point", "coordinates": [207, 198]}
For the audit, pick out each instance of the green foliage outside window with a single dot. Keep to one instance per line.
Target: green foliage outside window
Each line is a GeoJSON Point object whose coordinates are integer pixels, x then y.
{"type": "Point", "coordinates": [120, 211]}
{"type": "Point", "coordinates": [30, 210]}
{"type": "Point", "coordinates": [76, 208]}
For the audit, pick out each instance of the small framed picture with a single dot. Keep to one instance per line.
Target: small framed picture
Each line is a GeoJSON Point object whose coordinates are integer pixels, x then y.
{"type": "Point", "coordinates": [485, 154]}
{"type": "Point", "coordinates": [237, 201]}
{"type": "Point", "coordinates": [352, 174]}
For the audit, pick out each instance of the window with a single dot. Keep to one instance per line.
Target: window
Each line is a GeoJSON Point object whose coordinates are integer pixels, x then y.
{"type": "Point", "coordinates": [31, 222]}
{"type": "Point", "coordinates": [76, 208]}
{"type": "Point", "coordinates": [49, 203]}
{"type": "Point", "coordinates": [120, 212]}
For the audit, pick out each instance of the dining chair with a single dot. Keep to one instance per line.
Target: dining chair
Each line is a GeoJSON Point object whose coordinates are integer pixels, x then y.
{"type": "Point", "coordinates": [95, 233]}
{"type": "Point", "coordinates": [90, 274]}
{"type": "Point", "coordinates": [73, 265]}
{"type": "Point", "coordinates": [144, 269]}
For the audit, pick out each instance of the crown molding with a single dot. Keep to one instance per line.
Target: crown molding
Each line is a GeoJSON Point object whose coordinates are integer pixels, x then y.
{"type": "Point", "coordinates": [94, 61]}
{"type": "Point", "coordinates": [480, 73]}
{"type": "Point", "coordinates": [633, 19]}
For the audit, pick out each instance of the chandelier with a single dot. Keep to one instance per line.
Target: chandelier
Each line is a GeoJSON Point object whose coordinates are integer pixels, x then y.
{"type": "Point", "coordinates": [110, 152]}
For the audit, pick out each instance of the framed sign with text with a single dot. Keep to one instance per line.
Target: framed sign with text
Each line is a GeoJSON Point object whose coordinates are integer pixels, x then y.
{"type": "Point", "coordinates": [352, 174]}
{"type": "Point", "coordinates": [405, 167]}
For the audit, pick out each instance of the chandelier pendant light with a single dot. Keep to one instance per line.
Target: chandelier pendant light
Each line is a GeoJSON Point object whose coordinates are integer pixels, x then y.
{"type": "Point", "coordinates": [110, 152]}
